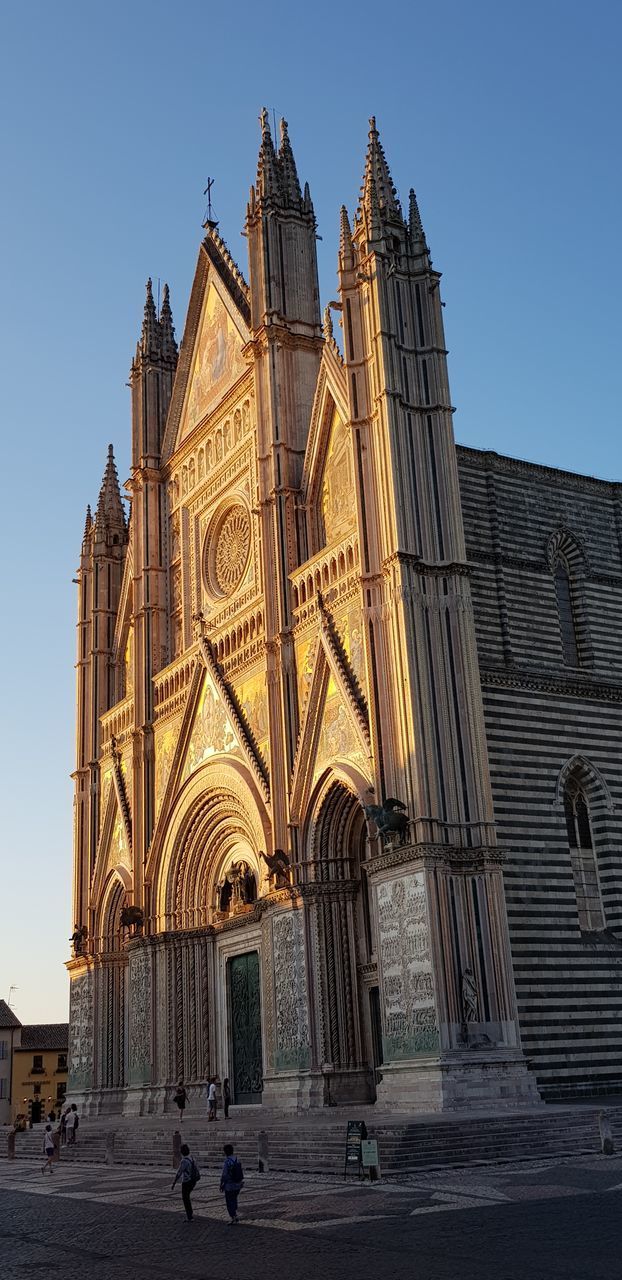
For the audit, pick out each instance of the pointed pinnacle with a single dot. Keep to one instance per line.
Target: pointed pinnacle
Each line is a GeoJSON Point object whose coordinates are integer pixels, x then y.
{"type": "Point", "coordinates": [110, 513]}
{"type": "Point", "coordinates": [167, 330]}
{"type": "Point", "coordinates": [415, 226]}
{"type": "Point", "coordinates": [346, 251]}
{"type": "Point", "coordinates": [88, 523]}
{"type": "Point", "coordinates": [287, 165]}
{"type": "Point", "coordinates": [377, 180]}
{"type": "Point", "coordinates": [268, 175]}
{"type": "Point", "coordinates": [150, 340]}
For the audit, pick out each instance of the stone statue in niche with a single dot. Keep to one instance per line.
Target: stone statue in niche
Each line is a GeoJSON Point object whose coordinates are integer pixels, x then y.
{"type": "Point", "coordinates": [238, 889]}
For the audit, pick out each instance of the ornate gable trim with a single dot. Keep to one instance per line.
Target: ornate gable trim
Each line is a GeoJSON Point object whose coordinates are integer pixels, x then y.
{"type": "Point", "coordinates": [344, 676]}
{"type": "Point", "coordinates": [331, 393]}
{"type": "Point", "coordinates": [183, 739]}
{"type": "Point", "coordinates": [308, 738]}
{"type": "Point", "coordinates": [241, 730]}
{"type": "Point", "coordinates": [102, 870]}
{"type": "Point", "coordinates": [226, 282]}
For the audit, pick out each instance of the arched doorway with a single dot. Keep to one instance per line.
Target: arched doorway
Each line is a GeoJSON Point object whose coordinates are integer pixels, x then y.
{"type": "Point", "coordinates": [338, 847]}
{"type": "Point", "coordinates": [110, 989]}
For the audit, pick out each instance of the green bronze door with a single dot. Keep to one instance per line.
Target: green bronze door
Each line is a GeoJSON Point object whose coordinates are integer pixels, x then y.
{"type": "Point", "coordinates": [245, 1008]}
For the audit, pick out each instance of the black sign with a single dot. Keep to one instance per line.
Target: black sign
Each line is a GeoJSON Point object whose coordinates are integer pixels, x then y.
{"type": "Point", "coordinates": [356, 1132]}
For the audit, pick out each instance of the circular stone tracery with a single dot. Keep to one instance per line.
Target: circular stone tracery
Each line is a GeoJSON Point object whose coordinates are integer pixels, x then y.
{"type": "Point", "coordinates": [227, 550]}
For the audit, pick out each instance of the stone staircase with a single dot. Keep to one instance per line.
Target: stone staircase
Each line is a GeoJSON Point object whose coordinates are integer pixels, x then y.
{"type": "Point", "coordinates": [314, 1143]}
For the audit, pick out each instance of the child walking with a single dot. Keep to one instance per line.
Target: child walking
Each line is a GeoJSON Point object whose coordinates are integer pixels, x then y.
{"type": "Point", "coordinates": [189, 1175]}
{"type": "Point", "coordinates": [231, 1182]}
{"type": "Point", "coordinates": [48, 1148]}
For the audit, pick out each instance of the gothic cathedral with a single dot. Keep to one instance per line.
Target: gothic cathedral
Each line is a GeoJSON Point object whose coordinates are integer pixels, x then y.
{"type": "Point", "coordinates": [290, 867]}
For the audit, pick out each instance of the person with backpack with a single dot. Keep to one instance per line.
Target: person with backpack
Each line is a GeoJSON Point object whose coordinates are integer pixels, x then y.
{"type": "Point", "coordinates": [48, 1148]}
{"type": "Point", "coordinates": [231, 1182]}
{"type": "Point", "coordinates": [190, 1175]}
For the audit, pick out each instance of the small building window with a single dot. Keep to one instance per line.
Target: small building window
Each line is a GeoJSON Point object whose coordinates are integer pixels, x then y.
{"type": "Point", "coordinates": [4, 1049]}
{"type": "Point", "coordinates": [567, 621]}
{"type": "Point", "coordinates": [37, 1062]}
{"type": "Point", "coordinates": [583, 860]}
{"type": "Point", "coordinates": [3, 1087]}
{"type": "Point", "coordinates": [62, 1062]}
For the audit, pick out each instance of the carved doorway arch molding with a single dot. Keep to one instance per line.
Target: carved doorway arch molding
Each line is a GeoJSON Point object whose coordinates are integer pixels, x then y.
{"type": "Point", "coordinates": [219, 818]}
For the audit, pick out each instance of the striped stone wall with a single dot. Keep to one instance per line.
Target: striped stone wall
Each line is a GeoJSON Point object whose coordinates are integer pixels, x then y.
{"type": "Point", "coordinates": [545, 719]}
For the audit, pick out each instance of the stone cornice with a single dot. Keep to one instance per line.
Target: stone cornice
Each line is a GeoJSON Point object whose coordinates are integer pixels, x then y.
{"type": "Point", "coordinates": [454, 858]}
{"type": "Point", "coordinates": [489, 460]}
{"type": "Point", "coordinates": [547, 682]}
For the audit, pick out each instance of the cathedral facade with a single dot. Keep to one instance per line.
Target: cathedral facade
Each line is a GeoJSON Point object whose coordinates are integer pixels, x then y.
{"type": "Point", "coordinates": [346, 782]}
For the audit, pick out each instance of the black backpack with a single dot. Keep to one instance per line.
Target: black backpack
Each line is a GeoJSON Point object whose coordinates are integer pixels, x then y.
{"type": "Point", "coordinates": [236, 1172]}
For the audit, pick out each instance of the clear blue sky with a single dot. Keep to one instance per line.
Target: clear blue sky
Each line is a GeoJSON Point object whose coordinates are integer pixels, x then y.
{"type": "Point", "coordinates": [505, 118]}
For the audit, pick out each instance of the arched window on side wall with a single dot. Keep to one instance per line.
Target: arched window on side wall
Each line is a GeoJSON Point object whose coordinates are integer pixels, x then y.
{"type": "Point", "coordinates": [583, 859]}
{"type": "Point", "coordinates": [567, 620]}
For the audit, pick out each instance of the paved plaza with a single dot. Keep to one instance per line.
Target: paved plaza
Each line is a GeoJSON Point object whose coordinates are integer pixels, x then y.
{"type": "Point", "coordinates": [546, 1219]}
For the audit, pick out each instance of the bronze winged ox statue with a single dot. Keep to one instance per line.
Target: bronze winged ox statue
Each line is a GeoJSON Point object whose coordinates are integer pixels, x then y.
{"type": "Point", "coordinates": [278, 865]}
{"type": "Point", "coordinates": [132, 918]}
{"type": "Point", "coordinates": [390, 818]}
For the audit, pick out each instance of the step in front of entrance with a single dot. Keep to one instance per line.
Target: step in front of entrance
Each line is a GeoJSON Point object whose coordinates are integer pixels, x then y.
{"type": "Point", "coordinates": [311, 1148]}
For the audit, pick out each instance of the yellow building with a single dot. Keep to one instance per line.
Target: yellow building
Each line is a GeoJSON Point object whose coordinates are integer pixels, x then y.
{"type": "Point", "coordinates": [39, 1072]}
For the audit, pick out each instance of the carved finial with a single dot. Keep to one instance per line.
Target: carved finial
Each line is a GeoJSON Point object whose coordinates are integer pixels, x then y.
{"type": "Point", "coordinates": [264, 121]}
{"type": "Point", "coordinates": [378, 193]}
{"type": "Point", "coordinates": [110, 512]}
{"type": "Point", "coordinates": [88, 523]}
{"type": "Point", "coordinates": [346, 251]}
{"type": "Point", "coordinates": [167, 329]}
{"type": "Point", "coordinates": [150, 339]}
{"type": "Point", "coordinates": [287, 164]}
{"type": "Point", "coordinates": [327, 326]}
{"type": "Point", "coordinates": [268, 169]}
{"type": "Point", "coordinates": [415, 227]}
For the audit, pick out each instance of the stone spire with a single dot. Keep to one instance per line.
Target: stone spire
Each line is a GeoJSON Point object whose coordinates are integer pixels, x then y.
{"type": "Point", "coordinates": [110, 515]}
{"type": "Point", "coordinates": [88, 523]}
{"type": "Point", "coordinates": [150, 337]}
{"type": "Point", "coordinates": [168, 344]}
{"type": "Point", "coordinates": [289, 175]}
{"type": "Point", "coordinates": [378, 195]}
{"type": "Point", "coordinates": [346, 250]}
{"type": "Point", "coordinates": [415, 226]}
{"type": "Point", "coordinates": [268, 170]}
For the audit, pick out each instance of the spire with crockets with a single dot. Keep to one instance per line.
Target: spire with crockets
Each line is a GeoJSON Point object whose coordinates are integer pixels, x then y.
{"type": "Point", "coordinates": [110, 515]}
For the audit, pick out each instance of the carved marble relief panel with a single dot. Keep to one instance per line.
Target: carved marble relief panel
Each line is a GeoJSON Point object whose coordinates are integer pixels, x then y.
{"type": "Point", "coordinates": [139, 1058]}
{"type": "Point", "coordinates": [292, 1051]}
{"type": "Point", "coordinates": [407, 989]}
{"type": "Point", "coordinates": [81, 1032]}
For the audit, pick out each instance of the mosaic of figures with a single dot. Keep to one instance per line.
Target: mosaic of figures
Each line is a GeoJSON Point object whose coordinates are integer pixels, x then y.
{"type": "Point", "coordinates": [338, 736]}
{"type": "Point", "coordinates": [252, 697]}
{"type": "Point", "coordinates": [338, 503]}
{"type": "Point", "coordinates": [218, 361]}
{"type": "Point", "coordinates": [212, 732]}
{"type": "Point", "coordinates": [409, 1016]}
{"type": "Point", "coordinates": [165, 744]}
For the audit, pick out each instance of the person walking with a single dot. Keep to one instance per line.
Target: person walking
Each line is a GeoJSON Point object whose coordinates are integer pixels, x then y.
{"type": "Point", "coordinates": [211, 1099]}
{"type": "Point", "coordinates": [63, 1125]}
{"type": "Point", "coordinates": [181, 1097]}
{"type": "Point", "coordinates": [189, 1175]}
{"type": "Point", "coordinates": [226, 1096]}
{"type": "Point", "coordinates": [48, 1148]}
{"type": "Point", "coordinates": [231, 1182]}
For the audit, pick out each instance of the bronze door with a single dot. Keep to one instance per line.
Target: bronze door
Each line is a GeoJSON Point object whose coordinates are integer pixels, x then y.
{"type": "Point", "coordinates": [245, 1008]}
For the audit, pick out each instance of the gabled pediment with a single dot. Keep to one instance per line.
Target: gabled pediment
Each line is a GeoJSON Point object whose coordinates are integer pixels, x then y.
{"type": "Point", "coordinates": [334, 728]}
{"type": "Point", "coordinates": [328, 478]}
{"type": "Point", "coordinates": [211, 360]}
{"type": "Point", "coordinates": [114, 849]}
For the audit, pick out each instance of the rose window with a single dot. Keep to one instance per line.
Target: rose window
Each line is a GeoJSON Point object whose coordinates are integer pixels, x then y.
{"type": "Point", "coordinates": [227, 550]}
